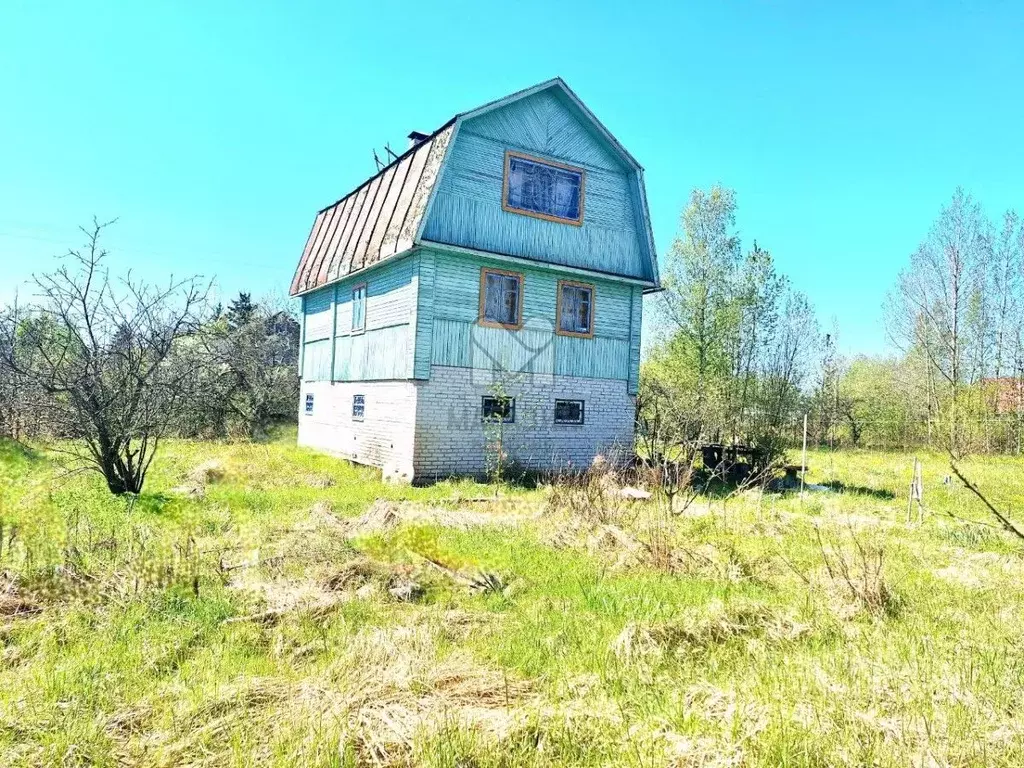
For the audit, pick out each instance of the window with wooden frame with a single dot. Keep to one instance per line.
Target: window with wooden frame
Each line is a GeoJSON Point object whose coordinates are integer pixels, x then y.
{"type": "Point", "coordinates": [575, 309]}
{"type": "Point", "coordinates": [501, 298]}
{"type": "Point", "coordinates": [543, 188]}
{"type": "Point", "coordinates": [359, 308]}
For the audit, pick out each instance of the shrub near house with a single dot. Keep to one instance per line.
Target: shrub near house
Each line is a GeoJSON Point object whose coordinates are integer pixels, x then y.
{"type": "Point", "coordinates": [508, 252]}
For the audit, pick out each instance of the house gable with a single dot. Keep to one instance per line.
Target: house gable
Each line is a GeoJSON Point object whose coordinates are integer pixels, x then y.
{"type": "Point", "coordinates": [448, 190]}
{"type": "Point", "coordinates": [547, 122]}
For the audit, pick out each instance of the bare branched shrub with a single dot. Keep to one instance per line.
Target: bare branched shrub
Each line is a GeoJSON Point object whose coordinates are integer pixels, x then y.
{"type": "Point", "coordinates": [99, 356]}
{"type": "Point", "coordinates": [248, 381]}
{"type": "Point", "coordinates": [858, 569]}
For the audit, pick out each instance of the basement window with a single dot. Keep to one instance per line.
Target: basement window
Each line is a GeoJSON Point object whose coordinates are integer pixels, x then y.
{"type": "Point", "coordinates": [499, 409]}
{"type": "Point", "coordinates": [358, 407]}
{"type": "Point", "coordinates": [501, 298]}
{"type": "Point", "coordinates": [359, 308]}
{"type": "Point", "coordinates": [309, 404]}
{"type": "Point", "coordinates": [568, 411]}
{"type": "Point", "coordinates": [543, 188]}
{"type": "Point", "coordinates": [575, 309]}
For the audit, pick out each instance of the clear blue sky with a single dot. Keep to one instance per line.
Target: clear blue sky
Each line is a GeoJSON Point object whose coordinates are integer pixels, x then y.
{"type": "Point", "coordinates": [215, 130]}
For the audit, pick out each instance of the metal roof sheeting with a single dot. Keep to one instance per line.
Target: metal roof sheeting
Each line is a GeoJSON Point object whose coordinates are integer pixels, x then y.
{"type": "Point", "coordinates": [376, 220]}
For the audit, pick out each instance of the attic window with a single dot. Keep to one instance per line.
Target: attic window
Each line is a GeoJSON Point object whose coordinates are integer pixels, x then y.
{"type": "Point", "coordinates": [543, 188]}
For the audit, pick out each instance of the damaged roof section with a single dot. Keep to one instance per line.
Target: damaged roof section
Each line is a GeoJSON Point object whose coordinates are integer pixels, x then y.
{"type": "Point", "coordinates": [375, 221]}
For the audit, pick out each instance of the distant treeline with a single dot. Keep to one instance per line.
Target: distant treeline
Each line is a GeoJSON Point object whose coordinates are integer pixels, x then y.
{"type": "Point", "coordinates": [740, 355]}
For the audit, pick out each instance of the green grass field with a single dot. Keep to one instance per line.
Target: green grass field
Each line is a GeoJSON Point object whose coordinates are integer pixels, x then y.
{"type": "Point", "coordinates": [248, 609]}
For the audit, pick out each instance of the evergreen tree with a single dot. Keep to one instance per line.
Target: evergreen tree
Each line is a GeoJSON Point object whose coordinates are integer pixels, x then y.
{"type": "Point", "coordinates": [241, 311]}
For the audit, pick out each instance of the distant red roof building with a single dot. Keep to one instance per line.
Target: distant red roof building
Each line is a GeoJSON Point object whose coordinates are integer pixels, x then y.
{"type": "Point", "coordinates": [1009, 394]}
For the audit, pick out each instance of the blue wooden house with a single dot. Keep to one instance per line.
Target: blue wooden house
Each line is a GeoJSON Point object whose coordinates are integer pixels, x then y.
{"type": "Point", "coordinates": [489, 278]}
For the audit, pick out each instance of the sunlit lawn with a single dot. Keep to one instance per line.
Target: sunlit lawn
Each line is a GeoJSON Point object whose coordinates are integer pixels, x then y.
{"type": "Point", "coordinates": [235, 615]}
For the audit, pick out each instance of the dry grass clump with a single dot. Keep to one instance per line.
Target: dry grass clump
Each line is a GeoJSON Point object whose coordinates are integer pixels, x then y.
{"type": "Point", "coordinates": [211, 471]}
{"type": "Point", "coordinates": [313, 480]}
{"type": "Point", "coordinates": [593, 495]}
{"type": "Point", "coordinates": [385, 690]}
{"type": "Point", "coordinates": [692, 632]}
{"type": "Point", "coordinates": [398, 689]}
{"type": "Point", "coordinates": [200, 476]}
{"type": "Point", "coordinates": [13, 604]}
{"type": "Point", "coordinates": [384, 516]}
{"type": "Point", "coordinates": [361, 571]}
{"type": "Point", "coordinates": [856, 568]}
{"type": "Point", "coordinates": [367, 577]}
{"type": "Point", "coordinates": [659, 546]}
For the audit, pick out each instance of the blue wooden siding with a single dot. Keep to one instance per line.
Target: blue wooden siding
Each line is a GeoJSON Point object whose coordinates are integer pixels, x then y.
{"type": "Point", "coordinates": [635, 320]}
{"type": "Point", "coordinates": [316, 360]}
{"type": "Point", "coordinates": [384, 350]}
{"type": "Point", "coordinates": [425, 297]}
{"type": "Point", "coordinates": [457, 340]}
{"type": "Point", "coordinates": [466, 209]}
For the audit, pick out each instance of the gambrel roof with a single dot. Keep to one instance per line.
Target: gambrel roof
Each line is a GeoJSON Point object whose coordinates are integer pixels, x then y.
{"type": "Point", "coordinates": [384, 215]}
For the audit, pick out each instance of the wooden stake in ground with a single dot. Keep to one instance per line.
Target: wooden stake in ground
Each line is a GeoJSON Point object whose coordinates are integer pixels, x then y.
{"type": "Point", "coordinates": [916, 492]}
{"type": "Point", "coordinates": [803, 463]}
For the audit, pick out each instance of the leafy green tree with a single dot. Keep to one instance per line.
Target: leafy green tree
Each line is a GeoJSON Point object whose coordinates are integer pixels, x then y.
{"type": "Point", "coordinates": [697, 301]}
{"type": "Point", "coordinates": [737, 342]}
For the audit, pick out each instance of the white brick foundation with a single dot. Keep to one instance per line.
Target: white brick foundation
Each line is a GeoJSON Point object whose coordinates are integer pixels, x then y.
{"type": "Point", "coordinates": [427, 430]}
{"type": "Point", "coordinates": [452, 440]}
{"type": "Point", "coordinates": [384, 438]}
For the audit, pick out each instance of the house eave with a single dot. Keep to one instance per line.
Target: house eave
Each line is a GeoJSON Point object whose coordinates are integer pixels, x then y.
{"type": "Point", "coordinates": [539, 264]}
{"type": "Point", "coordinates": [358, 273]}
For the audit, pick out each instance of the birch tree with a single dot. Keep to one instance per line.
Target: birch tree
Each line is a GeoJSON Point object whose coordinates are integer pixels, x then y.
{"type": "Point", "coordinates": [930, 308]}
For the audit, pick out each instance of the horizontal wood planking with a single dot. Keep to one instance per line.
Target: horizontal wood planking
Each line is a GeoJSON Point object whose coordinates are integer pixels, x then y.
{"type": "Point", "coordinates": [390, 297]}
{"type": "Point", "coordinates": [318, 315]}
{"type": "Point", "coordinates": [457, 284]}
{"type": "Point", "coordinates": [316, 360]}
